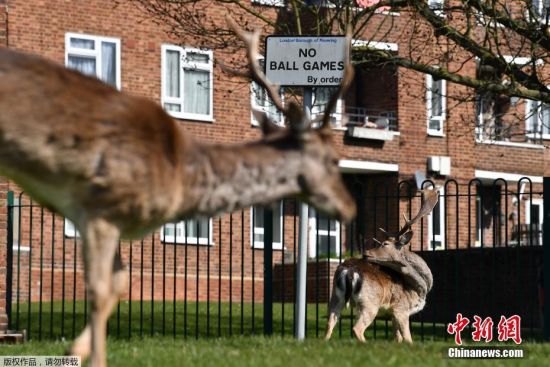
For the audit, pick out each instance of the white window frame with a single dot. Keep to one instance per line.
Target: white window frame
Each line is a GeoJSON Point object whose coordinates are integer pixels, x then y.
{"type": "Point", "coordinates": [253, 88]}
{"type": "Point", "coordinates": [540, 203]}
{"type": "Point", "coordinates": [313, 235]}
{"type": "Point", "coordinates": [95, 53]}
{"type": "Point", "coordinates": [480, 122]}
{"type": "Point", "coordinates": [478, 214]}
{"type": "Point", "coordinates": [338, 109]}
{"type": "Point", "coordinates": [539, 5]}
{"type": "Point", "coordinates": [260, 230]}
{"type": "Point", "coordinates": [437, 6]}
{"type": "Point", "coordinates": [15, 224]}
{"type": "Point", "coordinates": [438, 237]}
{"type": "Point", "coordinates": [69, 229]}
{"type": "Point", "coordinates": [535, 114]}
{"type": "Point", "coordinates": [209, 67]}
{"type": "Point", "coordinates": [375, 45]}
{"type": "Point", "coordinates": [183, 239]}
{"type": "Point", "coordinates": [276, 3]}
{"type": "Point", "coordinates": [443, 116]}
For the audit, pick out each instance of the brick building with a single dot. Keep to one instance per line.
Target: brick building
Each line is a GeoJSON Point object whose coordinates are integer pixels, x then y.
{"type": "Point", "coordinates": [392, 125]}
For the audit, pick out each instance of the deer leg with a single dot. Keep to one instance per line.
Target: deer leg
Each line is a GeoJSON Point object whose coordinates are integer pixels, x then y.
{"type": "Point", "coordinates": [396, 333]}
{"type": "Point", "coordinates": [366, 316]}
{"type": "Point", "coordinates": [82, 344]}
{"type": "Point", "coordinates": [100, 244]}
{"type": "Point", "coordinates": [403, 326]}
{"type": "Point", "coordinates": [335, 309]}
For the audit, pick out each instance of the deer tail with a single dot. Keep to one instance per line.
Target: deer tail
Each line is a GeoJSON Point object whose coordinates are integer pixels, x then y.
{"type": "Point", "coordinates": [348, 282]}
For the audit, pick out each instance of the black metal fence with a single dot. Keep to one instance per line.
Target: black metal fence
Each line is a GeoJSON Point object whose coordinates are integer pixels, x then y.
{"type": "Point", "coordinates": [207, 277]}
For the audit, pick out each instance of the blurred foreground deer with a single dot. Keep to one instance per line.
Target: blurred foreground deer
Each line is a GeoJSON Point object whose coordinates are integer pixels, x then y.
{"type": "Point", "coordinates": [389, 277]}
{"type": "Point", "coordinates": [119, 166]}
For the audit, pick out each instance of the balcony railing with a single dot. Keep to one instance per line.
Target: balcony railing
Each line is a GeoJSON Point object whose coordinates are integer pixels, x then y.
{"type": "Point", "coordinates": [510, 133]}
{"type": "Point", "coordinates": [366, 117]}
{"type": "Point", "coordinates": [362, 117]}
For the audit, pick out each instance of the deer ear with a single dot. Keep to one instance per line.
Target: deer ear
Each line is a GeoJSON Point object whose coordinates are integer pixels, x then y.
{"type": "Point", "coordinates": [405, 238]}
{"type": "Point", "coordinates": [267, 125]}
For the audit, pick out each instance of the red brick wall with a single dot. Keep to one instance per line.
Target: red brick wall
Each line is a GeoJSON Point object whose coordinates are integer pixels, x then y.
{"type": "Point", "coordinates": [3, 23]}
{"type": "Point", "coordinates": [3, 190]}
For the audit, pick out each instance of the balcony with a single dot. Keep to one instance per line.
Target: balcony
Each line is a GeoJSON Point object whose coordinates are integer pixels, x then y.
{"type": "Point", "coordinates": [366, 123]}
{"type": "Point", "coordinates": [510, 134]}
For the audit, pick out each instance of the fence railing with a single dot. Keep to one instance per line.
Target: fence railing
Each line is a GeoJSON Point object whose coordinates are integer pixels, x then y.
{"type": "Point", "coordinates": [205, 278]}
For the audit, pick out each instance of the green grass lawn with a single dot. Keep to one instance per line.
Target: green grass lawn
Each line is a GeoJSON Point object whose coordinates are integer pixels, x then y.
{"type": "Point", "coordinates": [135, 319]}
{"type": "Point", "coordinates": [261, 351]}
{"type": "Point", "coordinates": [142, 334]}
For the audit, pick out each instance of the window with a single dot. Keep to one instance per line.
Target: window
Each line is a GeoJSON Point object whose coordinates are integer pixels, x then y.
{"type": "Point", "coordinates": [437, 6]}
{"type": "Point", "coordinates": [278, 3]}
{"type": "Point", "coordinates": [436, 224]}
{"type": "Point", "coordinates": [436, 104]}
{"type": "Point", "coordinates": [534, 215]}
{"type": "Point", "coordinates": [479, 216]}
{"type": "Point", "coordinates": [538, 10]}
{"type": "Point", "coordinates": [95, 56]}
{"type": "Point", "coordinates": [368, 3]}
{"type": "Point", "coordinates": [70, 229]}
{"type": "Point", "coordinates": [189, 232]}
{"type": "Point", "coordinates": [262, 101]}
{"type": "Point", "coordinates": [491, 109]}
{"type": "Point", "coordinates": [324, 235]}
{"type": "Point", "coordinates": [187, 75]}
{"type": "Point", "coordinates": [321, 96]}
{"type": "Point", "coordinates": [257, 223]}
{"type": "Point", "coordinates": [15, 223]}
{"type": "Point", "coordinates": [490, 219]}
{"type": "Point", "coordinates": [537, 119]}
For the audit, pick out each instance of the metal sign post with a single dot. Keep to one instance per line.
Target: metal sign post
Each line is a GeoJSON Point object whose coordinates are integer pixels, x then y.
{"type": "Point", "coordinates": [301, 285]}
{"type": "Point", "coordinates": [268, 270]}
{"type": "Point", "coordinates": [304, 61]}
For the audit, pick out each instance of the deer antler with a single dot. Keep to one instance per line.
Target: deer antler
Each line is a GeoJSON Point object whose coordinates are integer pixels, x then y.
{"type": "Point", "coordinates": [344, 84]}
{"type": "Point", "coordinates": [404, 235]}
{"type": "Point", "coordinates": [252, 41]}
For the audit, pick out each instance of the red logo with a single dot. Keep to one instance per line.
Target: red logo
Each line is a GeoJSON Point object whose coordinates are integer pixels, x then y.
{"type": "Point", "coordinates": [483, 329]}
{"type": "Point", "coordinates": [508, 328]}
{"type": "Point", "coordinates": [457, 327]}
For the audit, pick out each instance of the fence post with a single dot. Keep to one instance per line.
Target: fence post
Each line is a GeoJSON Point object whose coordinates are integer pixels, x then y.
{"type": "Point", "coordinates": [268, 270]}
{"type": "Point", "coordinates": [9, 260]}
{"type": "Point", "coordinates": [546, 257]}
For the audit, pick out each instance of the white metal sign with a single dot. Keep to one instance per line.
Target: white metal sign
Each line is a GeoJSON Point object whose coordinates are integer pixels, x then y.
{"type": "Point", "coordinates": [305, 60]}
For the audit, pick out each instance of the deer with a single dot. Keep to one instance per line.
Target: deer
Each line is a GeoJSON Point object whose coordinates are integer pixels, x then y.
{"type": "Point", "coordinates": [118, 166]}
{"type": "Point", "coordinates": [388, 279]}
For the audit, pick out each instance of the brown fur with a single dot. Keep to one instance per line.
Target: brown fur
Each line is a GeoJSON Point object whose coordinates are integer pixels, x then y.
{"type": "Point", "coordinates": [389, 277]}
{"type": "Point", "coordinates": [118, 165]}
{"type": "Point", "coordinates": [382, 290]}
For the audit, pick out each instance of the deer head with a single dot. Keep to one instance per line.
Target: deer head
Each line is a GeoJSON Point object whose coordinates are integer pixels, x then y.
{"type": "Point", "coordinates": [321, 183]}
{"type": "Point", "coordinates": [396, 240]}
{"type": "Point", "coordinates": [389, 253]}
